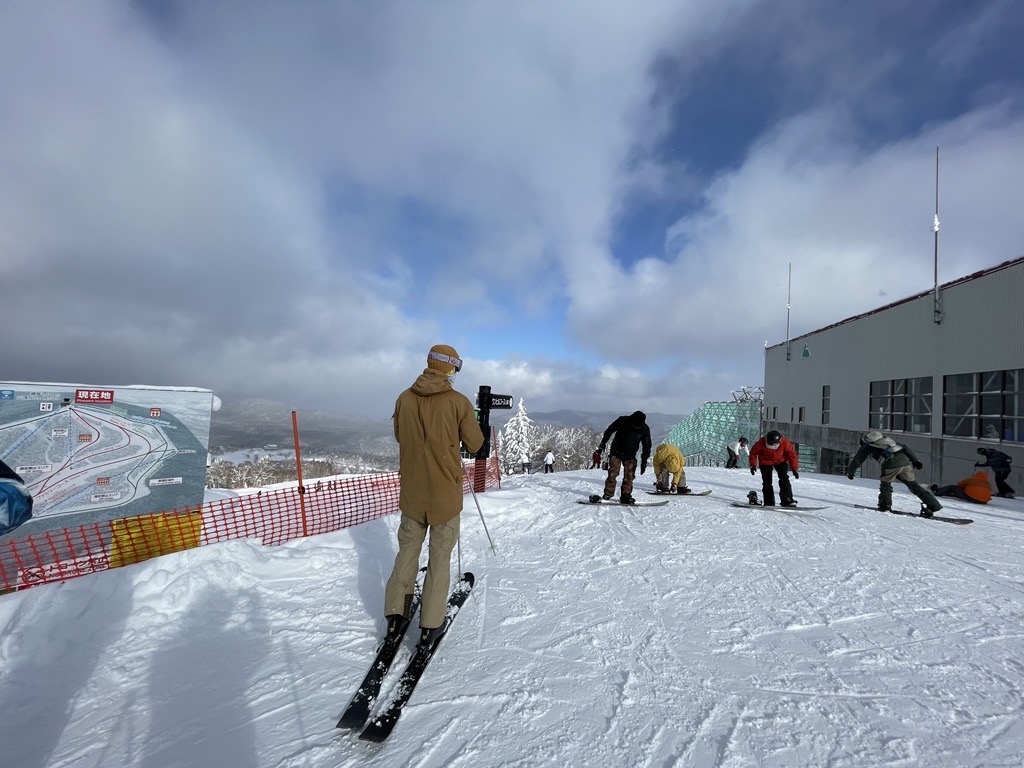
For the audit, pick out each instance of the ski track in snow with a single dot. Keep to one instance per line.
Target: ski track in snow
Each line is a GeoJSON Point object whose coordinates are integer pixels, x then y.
{"type": "Point", "coordinates": [694, 634]}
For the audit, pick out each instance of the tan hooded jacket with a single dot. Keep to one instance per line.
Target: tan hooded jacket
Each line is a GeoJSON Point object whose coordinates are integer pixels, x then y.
{"type": "Point", "coordinates": [668, 458]}
{"type": "Point", "coordinates": [430, 421]}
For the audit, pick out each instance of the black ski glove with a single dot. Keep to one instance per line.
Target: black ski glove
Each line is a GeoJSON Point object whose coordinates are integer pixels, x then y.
{"type": "Point", "coordinates": [918, 465]}
{"type": "Point", "coordinates": [849, 477]}
{"type": "Point", "coordinates": [643, 466]}
{"type": "Point", "coordinates": [796, 475]}
{"type": "Point", "coordinates": [753, 470]}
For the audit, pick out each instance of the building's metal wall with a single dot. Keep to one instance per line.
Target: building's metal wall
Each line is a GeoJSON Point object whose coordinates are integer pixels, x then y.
{"type": "Point", "coordinates": [982, 329]}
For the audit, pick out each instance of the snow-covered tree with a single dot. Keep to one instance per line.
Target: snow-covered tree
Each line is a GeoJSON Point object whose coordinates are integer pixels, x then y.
{"type": "Point", "coordinates": [572, 446]}
{"type": "Point", "coordinates": [517, 440]}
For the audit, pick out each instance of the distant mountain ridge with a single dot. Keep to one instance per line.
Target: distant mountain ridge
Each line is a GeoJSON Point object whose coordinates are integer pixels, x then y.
{"type": "Point", "coordinates": [660, 423]}
{"type": "Point", "coordinates": [255, 424]}
{"type": "Point", "coordinates": [247, 424]}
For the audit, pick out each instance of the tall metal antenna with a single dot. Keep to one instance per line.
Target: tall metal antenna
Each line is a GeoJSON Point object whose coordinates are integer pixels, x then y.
{"type": "Point", "coordinates": [789, 303]}
{"type": "Point", "coordinates": [935, 228]}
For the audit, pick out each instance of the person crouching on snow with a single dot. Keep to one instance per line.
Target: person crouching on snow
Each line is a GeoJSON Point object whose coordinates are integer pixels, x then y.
{"type": "Point", "coordinates": [774, 453]}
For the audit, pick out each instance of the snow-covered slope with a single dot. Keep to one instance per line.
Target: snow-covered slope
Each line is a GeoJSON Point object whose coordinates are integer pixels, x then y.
{"type": "Point", "coordinates": [695, 634]}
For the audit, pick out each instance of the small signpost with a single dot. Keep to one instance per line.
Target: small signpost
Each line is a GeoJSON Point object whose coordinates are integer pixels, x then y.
{"type": "Point", "coordinates": [485, 402]}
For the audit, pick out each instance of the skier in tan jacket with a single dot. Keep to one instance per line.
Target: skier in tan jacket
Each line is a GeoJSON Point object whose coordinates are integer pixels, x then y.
{"type": "Point", "coordinates": [431, 420]}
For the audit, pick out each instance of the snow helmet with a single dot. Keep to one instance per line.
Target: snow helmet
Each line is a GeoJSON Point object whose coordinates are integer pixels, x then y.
{"type": "Point", "coordinates": [773, 438]}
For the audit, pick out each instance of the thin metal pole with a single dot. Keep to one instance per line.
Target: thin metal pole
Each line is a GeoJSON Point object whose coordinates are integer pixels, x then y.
{"type": "Point", "coordinates": [935, 229]}
{"type": "Point", "coordinates": [475, 499]}
{"type": "Point", "coordinates": [789, 303]}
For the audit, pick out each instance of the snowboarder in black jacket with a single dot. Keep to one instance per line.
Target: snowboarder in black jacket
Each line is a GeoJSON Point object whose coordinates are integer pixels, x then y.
{"type": "Point", "coordinates": [1000, 464]}
{"type": "Point", "coordinates": [631, 435]}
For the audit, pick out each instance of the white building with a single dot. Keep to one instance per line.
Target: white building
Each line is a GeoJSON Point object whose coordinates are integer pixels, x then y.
{"type": "Point", "coordinates": [943, 383]}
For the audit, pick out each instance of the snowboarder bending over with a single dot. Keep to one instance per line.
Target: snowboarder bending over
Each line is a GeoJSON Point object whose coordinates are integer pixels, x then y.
{"type": "Point", "coordinates": [896, 462]}
{"type": "Point", "coordinates": [1000, 464]}
{"type": "Point", "coordinates": [631, 434]}
{"type": "Point", "coordinates": [669, 475]}
{"type": "Point", "coordinates": [774, 453]}
{"type": "Point", "coordinates": [430, 421]}
{"type": "Point", "coordinates": [735, 449]}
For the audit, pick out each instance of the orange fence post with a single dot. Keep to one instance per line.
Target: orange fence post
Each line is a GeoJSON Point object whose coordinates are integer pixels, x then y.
{"type": "Point", "coordinates": [298, 472]}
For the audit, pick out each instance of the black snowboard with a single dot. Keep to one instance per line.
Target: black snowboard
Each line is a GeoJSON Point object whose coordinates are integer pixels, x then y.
{"type": "Point", "coordinates": [779, 507]}
{"type": "Point", "coordinates": [679, 495]}
{"type": "Point", "coordinates": [620, 504]}
{"type": "Point", "coordinates": [940, 518]}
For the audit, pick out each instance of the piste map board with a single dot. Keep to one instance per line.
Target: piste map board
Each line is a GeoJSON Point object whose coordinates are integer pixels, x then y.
{"type": "Point", "coordinates": [90, 453]}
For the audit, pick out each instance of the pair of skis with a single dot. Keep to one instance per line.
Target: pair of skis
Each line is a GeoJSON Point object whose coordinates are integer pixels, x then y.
{"type": "Point", "coordinates": [379, 727]}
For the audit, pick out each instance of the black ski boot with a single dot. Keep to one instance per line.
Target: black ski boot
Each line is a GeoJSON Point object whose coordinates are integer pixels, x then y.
{"type": "Point", "coordinates": [626, 499]}
{"type": "Point", "coordinates": [427, 638]}
{"type": "Point", "coordinates": [397, 624]}
{"type": "Point", "coordinates": [925, 512]}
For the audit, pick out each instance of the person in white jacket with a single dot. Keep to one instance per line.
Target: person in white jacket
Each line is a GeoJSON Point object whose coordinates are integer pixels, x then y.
{"type": "Point", "coordinates": [549, 462]}
{"type": "Point", "coordinates": [734, 450]}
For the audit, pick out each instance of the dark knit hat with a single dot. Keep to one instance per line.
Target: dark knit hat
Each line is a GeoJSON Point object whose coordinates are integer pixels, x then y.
{"type": "Point", "coordinates": [638, 418]}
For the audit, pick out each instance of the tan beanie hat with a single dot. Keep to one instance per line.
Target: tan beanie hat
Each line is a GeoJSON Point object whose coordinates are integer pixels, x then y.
{"type": "Point", "coordinates": [442, 365]}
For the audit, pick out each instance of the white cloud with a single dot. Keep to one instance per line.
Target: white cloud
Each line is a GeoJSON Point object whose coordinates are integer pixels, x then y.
{"type": "Point", "coordinates": [296, 201]}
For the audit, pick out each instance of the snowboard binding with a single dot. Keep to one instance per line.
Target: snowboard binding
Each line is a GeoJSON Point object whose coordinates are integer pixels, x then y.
{"type": "Point", "coordinates": [752, 498]}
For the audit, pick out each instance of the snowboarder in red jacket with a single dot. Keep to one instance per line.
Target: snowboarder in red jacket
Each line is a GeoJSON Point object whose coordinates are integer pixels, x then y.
{"type": "Point", "coordinates": [775, 453]}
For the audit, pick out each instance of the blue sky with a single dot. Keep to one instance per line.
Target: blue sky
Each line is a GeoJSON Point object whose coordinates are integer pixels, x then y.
{"type": "Point", "coordinates": [596, 203]}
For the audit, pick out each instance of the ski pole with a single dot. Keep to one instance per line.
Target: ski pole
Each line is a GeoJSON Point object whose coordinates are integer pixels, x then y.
{"type": "Point", "coordinates": [475, 499]}
{"type": "Point", "coordinates": [458, 542]}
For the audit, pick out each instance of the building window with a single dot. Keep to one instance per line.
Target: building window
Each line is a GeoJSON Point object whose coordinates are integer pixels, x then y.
{"type": "Point", "coordinates": [901, 405]}
{"type": "Point", "coordinates": [800, 415]}
{"type": "Point", "coordinates": [984, 405]}
{"type": "Point", "coordinates": [826, 403]}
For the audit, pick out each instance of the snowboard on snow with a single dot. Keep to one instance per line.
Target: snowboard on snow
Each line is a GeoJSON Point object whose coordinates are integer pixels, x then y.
{"type": "Point", "coordinates": [940, 518]}
{"type": "Point", "coordinates": [620, 504]}
{"type": "Point", "coordinates": [778, 507]}
{"type": "Point", "coordinates": [679, 495]}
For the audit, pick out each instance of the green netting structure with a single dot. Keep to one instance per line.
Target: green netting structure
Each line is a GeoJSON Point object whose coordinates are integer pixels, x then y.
{"type": "Point", "coordinates": [703, 435]}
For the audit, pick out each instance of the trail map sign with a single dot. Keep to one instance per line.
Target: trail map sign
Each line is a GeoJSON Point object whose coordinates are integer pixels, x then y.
{"type": "Point", "coordinates": [92, 453]}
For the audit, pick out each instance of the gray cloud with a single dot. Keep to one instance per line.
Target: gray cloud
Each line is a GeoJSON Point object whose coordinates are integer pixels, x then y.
{"type": "Point", "coordinates": [295, 201]}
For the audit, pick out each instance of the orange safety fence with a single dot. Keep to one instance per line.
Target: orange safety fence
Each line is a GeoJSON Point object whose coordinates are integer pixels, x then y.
{"type": "Point", "coordinates": [272, 515]}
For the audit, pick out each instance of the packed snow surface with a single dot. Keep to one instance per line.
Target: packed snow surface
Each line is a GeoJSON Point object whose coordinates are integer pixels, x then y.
{"type": "Point", "coordinates": [693, 634]}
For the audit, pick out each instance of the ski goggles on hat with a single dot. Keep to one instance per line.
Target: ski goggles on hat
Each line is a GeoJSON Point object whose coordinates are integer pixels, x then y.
{"type": "Point", "coordinates": [442, 357]}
